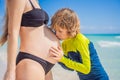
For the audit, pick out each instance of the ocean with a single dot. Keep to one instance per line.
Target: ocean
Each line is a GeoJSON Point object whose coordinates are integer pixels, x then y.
{"type": "Point", "coordinates": [107, 46]}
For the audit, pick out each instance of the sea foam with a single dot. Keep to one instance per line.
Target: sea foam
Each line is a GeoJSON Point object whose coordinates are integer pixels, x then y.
{"type": "Point", "coordinates": [109, 44]}
{"type": "Point", "coordinates": [118, 37]}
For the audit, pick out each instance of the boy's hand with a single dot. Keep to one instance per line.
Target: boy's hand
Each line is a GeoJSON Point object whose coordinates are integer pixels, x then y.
{"type": "Point", "coordinates": [55, 54]}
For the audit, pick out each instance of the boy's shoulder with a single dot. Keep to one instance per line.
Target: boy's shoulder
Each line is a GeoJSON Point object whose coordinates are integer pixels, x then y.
{"type": "Point", "coordinates": [81, 36]}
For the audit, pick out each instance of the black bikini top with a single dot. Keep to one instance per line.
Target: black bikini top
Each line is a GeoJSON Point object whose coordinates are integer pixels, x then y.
{"type": "Point", "coordinates": [34, 18]}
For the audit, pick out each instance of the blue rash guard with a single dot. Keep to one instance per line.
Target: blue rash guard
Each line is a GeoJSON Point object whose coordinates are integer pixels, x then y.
{"type": "Point", "coordinates": [81, 56]}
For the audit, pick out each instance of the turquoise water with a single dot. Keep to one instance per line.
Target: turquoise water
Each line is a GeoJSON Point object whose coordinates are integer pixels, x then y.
{"type": "Point", "coordinates": [107, 46]}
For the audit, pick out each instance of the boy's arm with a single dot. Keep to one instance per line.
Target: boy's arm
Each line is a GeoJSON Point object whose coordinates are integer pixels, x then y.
{"type": "Point", "coordinates": [75, 65]}
{"type": "Point", "coordinates": [83, 67]}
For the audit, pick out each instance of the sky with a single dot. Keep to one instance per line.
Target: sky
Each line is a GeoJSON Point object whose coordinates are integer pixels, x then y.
{"type": "Point", "coordinates": [96, 16]}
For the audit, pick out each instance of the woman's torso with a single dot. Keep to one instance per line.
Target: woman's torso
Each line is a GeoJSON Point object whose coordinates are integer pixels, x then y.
{"type": "Point", "coordinates": [36, 40]}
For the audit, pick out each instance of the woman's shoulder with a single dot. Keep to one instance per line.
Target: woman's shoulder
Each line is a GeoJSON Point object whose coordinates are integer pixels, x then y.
{"type": "Point", "coordinates": [15, 2]}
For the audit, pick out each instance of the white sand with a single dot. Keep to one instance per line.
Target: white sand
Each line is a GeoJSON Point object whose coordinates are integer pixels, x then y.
{"type": "Point", "coordinates": [2, 64]}
{"type": "Point", "coordinates": [61, 74]}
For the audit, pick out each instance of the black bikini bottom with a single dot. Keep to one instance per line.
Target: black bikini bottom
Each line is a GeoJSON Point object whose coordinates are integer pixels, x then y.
{"type": "Point", "coordinates": [45, 64]}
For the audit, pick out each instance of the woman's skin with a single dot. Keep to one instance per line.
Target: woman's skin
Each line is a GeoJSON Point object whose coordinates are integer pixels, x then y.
{"type": "Point", "coordinates": [33, 40]}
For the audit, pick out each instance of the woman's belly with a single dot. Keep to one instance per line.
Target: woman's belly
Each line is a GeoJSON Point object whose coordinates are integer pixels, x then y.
{"type": "Point", "coordinates": [37, 41]}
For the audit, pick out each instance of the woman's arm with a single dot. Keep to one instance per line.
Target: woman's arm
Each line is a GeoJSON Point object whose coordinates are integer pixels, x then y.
{"type": "Point", "coordinates": [15, 10]}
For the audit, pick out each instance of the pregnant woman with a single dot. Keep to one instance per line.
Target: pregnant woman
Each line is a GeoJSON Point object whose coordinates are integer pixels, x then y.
{"type": "Point", "coordinates": [34, 59]}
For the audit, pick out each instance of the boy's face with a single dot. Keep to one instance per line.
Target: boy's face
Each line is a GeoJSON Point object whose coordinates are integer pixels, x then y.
{"type": "Point", "coordinates": [61, 33]}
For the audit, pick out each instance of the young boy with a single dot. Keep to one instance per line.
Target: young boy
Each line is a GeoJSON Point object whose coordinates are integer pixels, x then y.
{"type": "Point", "coordinates": [79, 52]}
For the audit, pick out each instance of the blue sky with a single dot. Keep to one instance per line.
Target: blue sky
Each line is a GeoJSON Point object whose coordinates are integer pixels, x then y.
{"type": "Point", "coordinates": [96, 16]}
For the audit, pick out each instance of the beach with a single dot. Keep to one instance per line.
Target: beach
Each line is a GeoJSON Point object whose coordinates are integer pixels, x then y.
{"type": "Point", "coordinates": [107, 46]}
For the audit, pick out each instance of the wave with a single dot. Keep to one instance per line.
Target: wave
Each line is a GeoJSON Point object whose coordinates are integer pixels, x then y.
{"type": "Point", "coordinates": [109, 44]}
{"type": "Point", "coordinates": [118, 37]}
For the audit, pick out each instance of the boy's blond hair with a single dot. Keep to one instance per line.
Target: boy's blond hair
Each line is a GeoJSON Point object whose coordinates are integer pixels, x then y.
{"type": "Point", "coordinates": [66, 18]}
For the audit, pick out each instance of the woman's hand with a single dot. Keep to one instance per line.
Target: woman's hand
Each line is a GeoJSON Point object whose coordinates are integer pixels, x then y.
{"type": "Point", "coordinates": [9, 75]}
{"type": "Point", "coordinates": [55, 54]}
